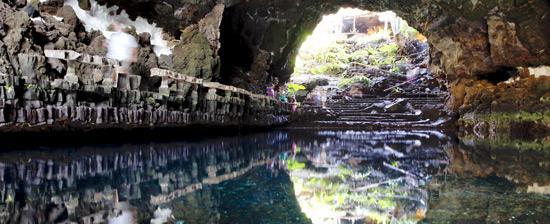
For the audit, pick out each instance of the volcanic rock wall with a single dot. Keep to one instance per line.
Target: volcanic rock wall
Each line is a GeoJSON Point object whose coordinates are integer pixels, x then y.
{"type": "Point", "coordinates": [471, 40]}
{"type": "Point", "coordinates": [475, 45]}
{"type": "Point", "coordinates": [53, 74]}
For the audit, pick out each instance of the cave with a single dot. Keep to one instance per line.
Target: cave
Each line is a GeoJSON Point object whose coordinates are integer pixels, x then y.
{"type": "Point", "coordinates": [232, 39]}
{"type": "Point", "coordinates": [205, 119]}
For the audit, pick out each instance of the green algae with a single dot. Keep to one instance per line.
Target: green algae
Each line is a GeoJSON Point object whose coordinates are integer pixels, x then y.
{"type": "Point", "coordinates": [541, 145]}
{"type": "Point", "coordinates": [503, 118]}
{"type": "Point", "coordinates": [512, 124]}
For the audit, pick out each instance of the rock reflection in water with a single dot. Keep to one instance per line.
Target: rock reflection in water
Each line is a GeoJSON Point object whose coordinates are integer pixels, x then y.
{"type": "Point", "coordinates": [130, 183]}
{"type": "Point", "coordinates": [365, 177]}
{"type": "Point", "coordinates": [278, 177]}
{"type": "Point", "coordinates": [492, 184]}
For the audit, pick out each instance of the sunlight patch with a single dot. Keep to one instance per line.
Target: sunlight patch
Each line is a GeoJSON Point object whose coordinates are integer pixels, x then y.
{"type": "Point", "coordinates": [100, 17]}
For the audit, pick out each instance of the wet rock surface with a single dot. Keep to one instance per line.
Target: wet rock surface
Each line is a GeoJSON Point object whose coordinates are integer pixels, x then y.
{"type": "Point", "coordinates": [469, 40]}
{"type": "Point", "coordinates": [387, 101]}
{"type": "Point", "coordinates": [54, 75]}
{"type": "Point", "coordinates": [463, 34]}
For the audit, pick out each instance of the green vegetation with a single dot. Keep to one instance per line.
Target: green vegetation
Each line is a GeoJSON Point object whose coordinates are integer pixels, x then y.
{"type": "Point", "coordinates": [521, 116]}
{"type": "Point", "coordinates": [150, 100]}
{"type": "Point", "coordinates": [337, 192]}
{"type": "Point", "coordinates": [503, 120]}
{"type": "Point", "coordinates": [337, 57]}
{"type": "Point", "coordinates": [332, 59]}
{"type": "Point", "coordinates": [344, 172]}
{"type": "Point", "coordinates": [294, 88]}
{"type": "Point", "coordinates": [540, 145]}
{"type": "Point", "coordinates": [359, 79]}
{"type": "Point", "coordinates": [395, 164]}
{"type": "Point", "coordinates": [293, 165]}
{"type": "Point", "coordinates": [502, 126]}
{"type": "Point", "coordinates": [409, 32]}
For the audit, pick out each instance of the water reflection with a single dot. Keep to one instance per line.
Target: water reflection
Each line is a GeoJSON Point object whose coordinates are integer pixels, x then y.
{"type": "Point", "coordinates": [492, 184]}
{"type": "Point", "coordinates": [278, 177]}
{"type": "Point", "coordinates": [366, 177]}
{"type": "Point", "coordinates": [96, 184]}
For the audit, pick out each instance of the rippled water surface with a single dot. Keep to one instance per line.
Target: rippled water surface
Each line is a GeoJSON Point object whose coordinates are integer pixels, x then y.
{"type": "Point", "coordinates": [279, 177]}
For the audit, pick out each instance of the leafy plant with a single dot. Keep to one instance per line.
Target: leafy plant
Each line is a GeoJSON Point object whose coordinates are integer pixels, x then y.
{"type": "Point", "coordinates": [293, 165]}
{"type": "Point", "coordinates": [294, 88]}
{"type": "Point", "coordinates": [395, 164]}
{"type": "Point", "coordinates": [396, 90]}
{"type": "Point", "coordinates": [150, 100]}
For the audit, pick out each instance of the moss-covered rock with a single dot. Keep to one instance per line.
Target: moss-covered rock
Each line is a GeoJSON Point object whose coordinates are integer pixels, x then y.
{"type": "Point", "coordinates": [194, 56]}
{"type": "Point", "coordinates": [520, 125]}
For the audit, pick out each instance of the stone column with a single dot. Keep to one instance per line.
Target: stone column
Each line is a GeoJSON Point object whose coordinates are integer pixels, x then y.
{"type": "Point", "coordinates": [211, 98]}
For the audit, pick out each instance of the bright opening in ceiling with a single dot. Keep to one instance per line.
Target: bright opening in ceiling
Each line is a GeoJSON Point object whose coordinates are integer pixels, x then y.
{"type": "Point", "coordinates": [344, 37]}
{"type": "Point", "coordinates": [355, 46]}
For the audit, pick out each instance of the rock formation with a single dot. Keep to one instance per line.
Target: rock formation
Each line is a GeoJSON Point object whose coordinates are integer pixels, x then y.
{"type": "Point", "coordinates": [54, 74]}
{"type": "Point", "coordinates": [247, 43]}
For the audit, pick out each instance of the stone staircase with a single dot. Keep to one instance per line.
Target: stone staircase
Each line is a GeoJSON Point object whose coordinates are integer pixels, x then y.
{"type": "Point", "coordinates": [406, 111]}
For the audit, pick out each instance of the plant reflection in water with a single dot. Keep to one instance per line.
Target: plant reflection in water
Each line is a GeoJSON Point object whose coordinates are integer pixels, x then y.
{"type": "Point", "coordinates": [278, 177]}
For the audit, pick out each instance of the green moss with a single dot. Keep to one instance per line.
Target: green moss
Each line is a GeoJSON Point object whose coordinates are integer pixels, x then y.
{"type": "Point", "coordinates": [360, 79]}
{"type": "Point", "coordinates": [336, 56]}
{"type": "Point", "coordinates": [293, 165]}
{"type": "Point", "coordinates": [501, 143]}
{"type": "Point", "coordinates": [507, 118]}
{"type": "Point", "coordinates": [344, 172]}
{"type": "Point", "coordinates": [194, 55]}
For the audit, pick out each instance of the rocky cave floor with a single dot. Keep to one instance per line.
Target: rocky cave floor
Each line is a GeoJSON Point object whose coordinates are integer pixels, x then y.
{"type": "Point", "coordinates": [409, 98]}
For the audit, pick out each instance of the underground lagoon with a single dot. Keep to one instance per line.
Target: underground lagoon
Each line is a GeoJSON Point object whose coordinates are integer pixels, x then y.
{"type": "Point", "coordinates": [274, 111]}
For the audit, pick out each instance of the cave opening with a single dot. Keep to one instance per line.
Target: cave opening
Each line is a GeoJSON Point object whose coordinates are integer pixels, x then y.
{"type": "Point", "coordinates": [363, 53]}
{"type": "Point", "coordinates": [501, 75]}
{"type": "Point", "coordinates": [365, 68]}
{"type": "Point", "coordinates": [234, 36]}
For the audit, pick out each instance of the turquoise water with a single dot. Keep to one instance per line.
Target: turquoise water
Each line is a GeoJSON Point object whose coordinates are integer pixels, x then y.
{"type": "Point", "coordinates": [278, 177]}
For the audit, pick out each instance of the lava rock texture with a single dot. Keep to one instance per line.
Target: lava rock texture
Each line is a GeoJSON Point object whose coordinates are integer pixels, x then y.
{"type": "Point", "coordinates": [473, 43]}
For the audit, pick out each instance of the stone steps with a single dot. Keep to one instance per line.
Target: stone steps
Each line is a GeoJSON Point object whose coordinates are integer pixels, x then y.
{"type": "Point", "coordinates": [376, 120]}
{"type": "Point", "coordinates": [423, 123]}
{"type": "Point", "coordinates": [354, 112]}
{"type": "Point", "coordinates": [381, 115]}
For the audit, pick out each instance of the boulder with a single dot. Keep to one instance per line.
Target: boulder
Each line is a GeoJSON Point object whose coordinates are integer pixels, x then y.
{"type": "Point", "coordinates": [506, 47]}
{"type": "Point", "coordinates": [163, 8]}
{"type": "Point", "coordinates": [84, 4]}
{"type": "Point", "coordinates": [165, 62]}
{"type": "Point", "coordinates": [317, 82]}
{"type": "Point", "coordinates": [144, 39]}
{"type": "Point", "coordinates": [209, 26]}
{"type": "Point", "coordinates": [432, 111]}
{"type": "Point", "coordinates": [398, 106]}
{"type": "Point", "coordinates": [376, 107]}
{"type": "Point", "coordinates": [51, 6]}
{"type": "Point", "coordinates": [60, 43]}
{"type": "Point", "coordinates": [194, 55]}
{"type": "Point", "coordinates": [186, 13]}
{"type": "Point", "coordinates": [97, 46]}
{"type": "Point", "coordinates": [69, 16]}
{"type": "Point", "coordinates": [20, 3]}
{"type": "Point", "coordinates": [18, 25]}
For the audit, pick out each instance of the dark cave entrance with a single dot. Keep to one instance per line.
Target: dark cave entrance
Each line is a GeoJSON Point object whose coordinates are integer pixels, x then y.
{"type": "Point", "coordinates": [236, 54]}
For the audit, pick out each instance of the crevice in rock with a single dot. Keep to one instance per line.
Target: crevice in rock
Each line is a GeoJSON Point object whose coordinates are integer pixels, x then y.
{"type": "Point", "coordinates": [236, 55]}
{"type": "Point", "coordinates": [501, 75]}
